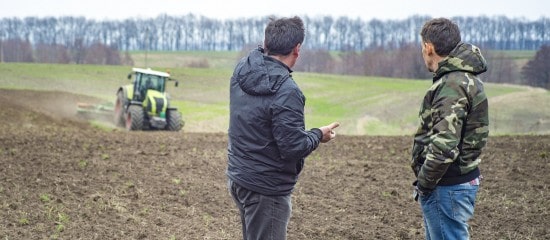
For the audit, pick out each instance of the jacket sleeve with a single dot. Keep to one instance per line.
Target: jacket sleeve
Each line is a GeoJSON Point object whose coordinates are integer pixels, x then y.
{"type": "Point", "coordinates": [293, 140]}
{"type": "Point", "coordinates": [449, 110]}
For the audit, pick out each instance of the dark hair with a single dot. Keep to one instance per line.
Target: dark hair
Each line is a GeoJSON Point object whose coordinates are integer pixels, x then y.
{"type": "Point", "coordinates": [442, 33]}
{"type": "Point", "coordinates": [283, 34]}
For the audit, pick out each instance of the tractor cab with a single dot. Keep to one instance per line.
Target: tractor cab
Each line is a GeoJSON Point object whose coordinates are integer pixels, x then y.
{"type": "Point", "coordinates": [147, 79]}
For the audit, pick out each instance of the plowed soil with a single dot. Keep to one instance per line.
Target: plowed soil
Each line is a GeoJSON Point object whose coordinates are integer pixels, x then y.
{"type": "Point", "coordinates": [63, 178]}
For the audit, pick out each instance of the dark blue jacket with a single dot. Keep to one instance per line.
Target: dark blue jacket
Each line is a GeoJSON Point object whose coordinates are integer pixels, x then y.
{"type": "Point", "coordinates": [267, 137]}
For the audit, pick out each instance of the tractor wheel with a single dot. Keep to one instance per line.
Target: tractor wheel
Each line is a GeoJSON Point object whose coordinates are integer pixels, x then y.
{"type": "Point", "coordinates": [119, 110]}
{"type": "Point", "coordinates": [134, 118]}
{"type": "Point", "coordinates": [173, 117]}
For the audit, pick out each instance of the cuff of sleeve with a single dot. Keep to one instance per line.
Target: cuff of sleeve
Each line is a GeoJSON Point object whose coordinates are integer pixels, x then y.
{"type": "Point", "coordinates": [317, 132]}
{"type": "Point", "coordinates": [423, 189]}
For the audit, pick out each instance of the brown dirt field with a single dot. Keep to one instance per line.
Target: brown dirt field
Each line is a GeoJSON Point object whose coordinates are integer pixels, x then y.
{"type": "Point", "coordinates": [62, 178]}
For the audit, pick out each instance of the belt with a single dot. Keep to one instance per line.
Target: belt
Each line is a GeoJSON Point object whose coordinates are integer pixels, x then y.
{"type": "Point", "coordinates": [476, 181]}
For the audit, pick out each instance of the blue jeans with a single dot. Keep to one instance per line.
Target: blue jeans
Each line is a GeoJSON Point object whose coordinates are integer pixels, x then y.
{"type": "Point", "coordinates": [447, 210]}
{"type": "Point", "coordinates": [262, 217]}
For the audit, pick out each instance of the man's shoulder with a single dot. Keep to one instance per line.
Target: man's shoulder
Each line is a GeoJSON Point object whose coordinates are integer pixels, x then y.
{"type": "Point", "coordinates": [289, 95]}
{"type": "Point", "coordinates": [456, 79]}
{"type": "Point", "coordinates": [289, 85]}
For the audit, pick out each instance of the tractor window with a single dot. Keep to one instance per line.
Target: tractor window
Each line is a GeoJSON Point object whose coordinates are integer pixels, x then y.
{"type": "Point", "coordinates": [153, 82]}
{"type": "Point", "coordinates": [149, 83]}
{"type": "Point", "coordinates": [160, 83]}
{"type": "Point", "coordinates": [139, 86]}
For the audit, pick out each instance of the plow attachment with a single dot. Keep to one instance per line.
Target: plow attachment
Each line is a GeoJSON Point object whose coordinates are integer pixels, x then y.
{"type": "Point", "coordinates": [95, 111]}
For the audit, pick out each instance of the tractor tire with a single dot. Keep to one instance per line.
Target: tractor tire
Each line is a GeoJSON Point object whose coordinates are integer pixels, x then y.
{"type": "Point", "coordinates": [173, 117]}
{"type": "Point", "coordinates": [135, 118]}
{"type": "Point", "coordinates": [119, 116]}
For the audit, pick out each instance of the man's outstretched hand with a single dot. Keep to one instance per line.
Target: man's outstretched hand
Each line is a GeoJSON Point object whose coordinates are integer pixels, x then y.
{"type": "Point", "coordinates": [328, 131]}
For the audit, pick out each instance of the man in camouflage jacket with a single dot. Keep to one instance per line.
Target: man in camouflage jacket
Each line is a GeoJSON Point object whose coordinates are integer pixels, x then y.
{"type": "Point", "coordinates": [454, 126]}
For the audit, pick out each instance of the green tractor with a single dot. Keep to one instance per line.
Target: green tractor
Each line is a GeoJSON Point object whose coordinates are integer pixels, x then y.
{"type": "Point", "coordinates": [144, 104]}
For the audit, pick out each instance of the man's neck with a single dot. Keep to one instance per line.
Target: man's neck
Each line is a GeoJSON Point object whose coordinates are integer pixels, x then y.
{"type": "Point", "coordinates": [288, 60]}
{"type": "Point", "coordinates": [435, 62]}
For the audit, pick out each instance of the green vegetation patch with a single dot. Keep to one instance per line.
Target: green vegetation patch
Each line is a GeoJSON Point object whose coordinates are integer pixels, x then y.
{"type": "Point", "coordinates": [363, 105]}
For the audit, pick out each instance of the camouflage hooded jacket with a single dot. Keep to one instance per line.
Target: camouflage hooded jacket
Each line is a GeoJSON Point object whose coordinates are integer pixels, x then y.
{"type": "Point", "coordinates": [454, 121]}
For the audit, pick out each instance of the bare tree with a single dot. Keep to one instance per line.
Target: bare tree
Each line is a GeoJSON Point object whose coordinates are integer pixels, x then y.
{"type": "Point", "coordinates": [315, 61]}
{"type": "Point", "coordinates": [501, 68]}
{"type": "Point", "coordinates": [78, 51]}
{"type": "Point", "coordinates": [350, 64]}
{"type": "Point", "coordinates": [408, 63]}
{"type": "Point", "coordinates": [51, 53]}
{"type": "Point", "coordinates": [537, 71]}
{"type": "Point", "coordinates": [100, 54]}
{"type": "Point", "coordinates": [190, 32]}
{"type": "Point", "coordinates": [127, 59]}
{"type": "Point", "coordinates": [376, 62]}
{"type": "Point", "coordinates": [403, 62]}
{"type": "Point", "coordinates": [17, 50]}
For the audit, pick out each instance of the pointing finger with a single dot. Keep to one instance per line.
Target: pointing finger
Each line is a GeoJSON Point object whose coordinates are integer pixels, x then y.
{"type": "Point", "coordinates": [334, 125]}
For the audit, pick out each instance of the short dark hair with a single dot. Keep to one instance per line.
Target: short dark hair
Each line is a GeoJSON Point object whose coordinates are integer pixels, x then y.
{"type": "Point", "coordinates": [283, 34]}
{"type": "Point", "coordinates": [442, 33]}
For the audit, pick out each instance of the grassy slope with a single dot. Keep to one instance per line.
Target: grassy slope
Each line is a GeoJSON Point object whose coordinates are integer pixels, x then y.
{"type": "Point", "coordinates": [364, 105]}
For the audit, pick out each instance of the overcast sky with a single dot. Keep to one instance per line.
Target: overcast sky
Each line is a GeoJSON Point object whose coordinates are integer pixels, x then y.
{"type": "Point", "coordinates": [232, 9]}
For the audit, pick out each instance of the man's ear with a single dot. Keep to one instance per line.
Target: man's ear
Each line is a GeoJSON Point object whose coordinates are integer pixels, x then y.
{"type": "Point", "coordinates": [430, 48]}
{"type": "Point", "coordinates": [296, 50]}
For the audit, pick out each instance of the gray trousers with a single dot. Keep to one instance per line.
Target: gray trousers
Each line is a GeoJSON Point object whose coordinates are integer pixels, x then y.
{"type": "Point", "coordinates": [262, 217]}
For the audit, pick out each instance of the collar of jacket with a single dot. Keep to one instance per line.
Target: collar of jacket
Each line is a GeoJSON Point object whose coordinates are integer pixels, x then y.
{"type": "Point", "coordinates": [464, 57]}
{"type": "Point", "coordinates": [262, 50]}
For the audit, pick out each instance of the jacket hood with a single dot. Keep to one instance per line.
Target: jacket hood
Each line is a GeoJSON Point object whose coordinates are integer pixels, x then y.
{"type": "Point", "coordinates": [466, 58]}
{"type": "Point", "coordinates": [258, 74]}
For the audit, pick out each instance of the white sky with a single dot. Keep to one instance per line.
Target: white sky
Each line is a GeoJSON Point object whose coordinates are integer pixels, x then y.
{"type": "Point", "coordinates": [232, 9]}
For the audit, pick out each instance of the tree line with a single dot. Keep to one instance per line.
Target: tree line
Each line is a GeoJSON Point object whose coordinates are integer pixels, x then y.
{"type": "Point", "coordinates": [17, 50]}
{"type": "Point", "coordinates": [407, 62]}
{"type": "Point", "coordinates": [199, 33]}
{"type": "Point", "coordinates": [375, 48]}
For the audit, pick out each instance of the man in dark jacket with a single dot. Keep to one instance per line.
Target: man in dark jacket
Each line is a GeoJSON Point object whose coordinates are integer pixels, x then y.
{"type": "Point", "coordinates": [267, 138]}
{"type": "Point", "coordinates": [454, 126]}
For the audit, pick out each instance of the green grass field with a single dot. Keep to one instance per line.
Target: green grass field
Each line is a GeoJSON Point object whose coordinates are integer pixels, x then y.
{"type": "Point", "coordinates": [363, 105]}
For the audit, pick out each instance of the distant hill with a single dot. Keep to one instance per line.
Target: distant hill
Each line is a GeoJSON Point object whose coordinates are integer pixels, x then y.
{"type": "Point", "coordinates": [364, 105]}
